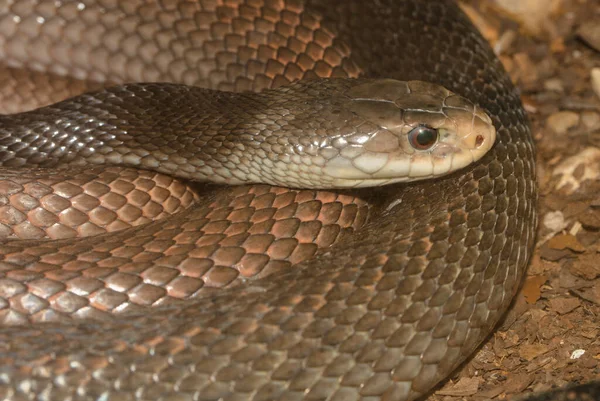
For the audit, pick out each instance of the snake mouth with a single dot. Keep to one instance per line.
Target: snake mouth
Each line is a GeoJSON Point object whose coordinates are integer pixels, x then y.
{"type": "Point", "coordinates": [455, 149]}
{"type": "Point", "coordinates": [345, 173]}
{"type": "Point", "coordinates": [368, 183]}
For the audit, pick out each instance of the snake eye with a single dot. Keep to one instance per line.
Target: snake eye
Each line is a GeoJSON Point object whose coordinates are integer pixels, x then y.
{"type": "Point", "coordinates": [423, 137]}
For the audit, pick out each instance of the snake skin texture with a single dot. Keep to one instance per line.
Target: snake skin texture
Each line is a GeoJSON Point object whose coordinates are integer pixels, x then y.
{"type": "Point", "coordinates": [36, 206]}
{"type": "Point", "coordinates": [333, 133]}
{"type": "Point", "coordinates": [379, 302]}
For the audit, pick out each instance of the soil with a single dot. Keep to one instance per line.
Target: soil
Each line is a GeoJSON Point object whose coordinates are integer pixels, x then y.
{"type": "Point", "coordinates": [550, 338]}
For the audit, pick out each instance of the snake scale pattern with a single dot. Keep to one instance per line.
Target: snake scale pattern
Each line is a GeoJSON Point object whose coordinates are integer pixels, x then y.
{"type": "Point", "coordinates": [347, 295]}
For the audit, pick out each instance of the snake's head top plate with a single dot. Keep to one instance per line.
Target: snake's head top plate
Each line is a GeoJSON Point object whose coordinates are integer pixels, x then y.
{"type": "Point", "coordinates": [419, 131]}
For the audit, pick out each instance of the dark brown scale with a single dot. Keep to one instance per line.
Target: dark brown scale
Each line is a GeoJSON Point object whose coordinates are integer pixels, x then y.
{"type": "Point", "coordinates": [398, 301]}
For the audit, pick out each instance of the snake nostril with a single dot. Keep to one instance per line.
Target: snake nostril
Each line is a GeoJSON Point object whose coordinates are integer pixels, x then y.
{"type": "Point", "coordinates": [478, 141]}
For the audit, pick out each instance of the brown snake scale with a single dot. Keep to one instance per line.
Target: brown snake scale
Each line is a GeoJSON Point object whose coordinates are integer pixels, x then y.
{"type": "Point", "coordinates": [87, 203]}
{"type": "Point", "coordinates": [373, 294]}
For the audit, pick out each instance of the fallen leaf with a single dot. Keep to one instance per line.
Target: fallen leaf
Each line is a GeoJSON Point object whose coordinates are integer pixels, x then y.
{"type": "Point", "coordinates": [554, 255]}
{"type": "Point", "coordinates": [566, 241]}
{"type": "Point", "coordinates": [531, 351]}
{"type": "Point", "coordinates": [532, 288]}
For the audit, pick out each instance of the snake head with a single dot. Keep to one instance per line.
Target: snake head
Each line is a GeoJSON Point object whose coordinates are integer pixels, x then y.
{"type": "Point", "coordinates": [410, 131]}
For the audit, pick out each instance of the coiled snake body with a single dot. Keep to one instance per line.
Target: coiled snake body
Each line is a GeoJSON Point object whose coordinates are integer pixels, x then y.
{"type": "Point", "coordinates": [399, 300]}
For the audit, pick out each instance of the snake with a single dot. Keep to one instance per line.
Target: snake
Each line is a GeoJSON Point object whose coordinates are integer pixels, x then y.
{"type": "Point", "coordinates": [355, 293]}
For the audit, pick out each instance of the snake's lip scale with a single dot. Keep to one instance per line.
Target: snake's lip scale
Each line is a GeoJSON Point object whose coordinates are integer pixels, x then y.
{"type": "Point", "coordinates": [377, 169]}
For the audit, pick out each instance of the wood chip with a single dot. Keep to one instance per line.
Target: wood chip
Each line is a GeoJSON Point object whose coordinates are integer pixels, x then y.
{"type": "Point", "coordinates": [595, 77]}
{"type": "Point", "coordinates": [531, 351]}
{"type": "Point", "coordinates": [564, 305]}
{"type": "Point", "coordinates": [566, 241]}
{"type": "Point", "coordinates": [517, 383]}
{"type": "Point", "coordinates": [553, 254]}
{"type": "Point", "coordinates": [562, 121]}
{"type": "Point", "coordinates": [587, 266]}
{"type": "Point", "coordinates": [590, 33]}
{"type": "Point", "coordinates": [590, 294]}
{"type": "Point", "coordinates": [532, 288]}
{"type": "Point", "coordinates": [464, 387]}
{"type": "Point", "coordinates": [590, 219]}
